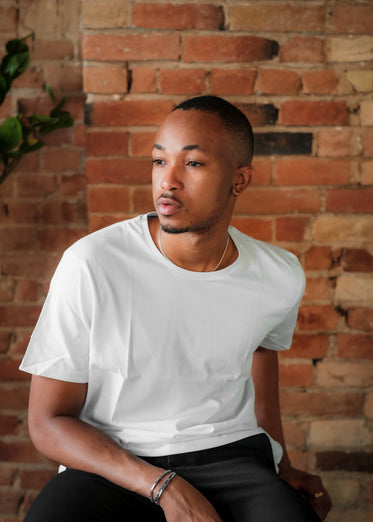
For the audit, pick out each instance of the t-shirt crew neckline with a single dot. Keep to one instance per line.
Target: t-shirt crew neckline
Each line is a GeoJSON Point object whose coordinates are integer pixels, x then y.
{"type": "Point", "coordinates": [184, 271]}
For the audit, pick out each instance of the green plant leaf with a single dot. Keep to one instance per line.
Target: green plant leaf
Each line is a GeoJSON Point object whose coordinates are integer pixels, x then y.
{"type": "Point", "coordinates": [10, 134]}
{"type": "Point", "coordinates": [4, 88]}
{"type": "Point", "coordinates": [16, 64]}
{"type": "Point", "coordinates": [17, 45]}
{"type": "Point", "coordinates": [50, 92]}
{"type": "Point", "coordinates": [39, 119]}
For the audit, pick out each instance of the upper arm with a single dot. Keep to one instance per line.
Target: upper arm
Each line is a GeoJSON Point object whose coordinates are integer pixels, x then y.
{"type": "Point", "coordinates": [53, 398]}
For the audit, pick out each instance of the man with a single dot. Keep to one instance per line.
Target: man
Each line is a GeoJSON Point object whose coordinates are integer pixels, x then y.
{"type": "Point", "coordinates": [151, 340]}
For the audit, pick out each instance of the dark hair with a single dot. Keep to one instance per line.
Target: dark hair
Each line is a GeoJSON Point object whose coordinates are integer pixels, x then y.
{"type": "Point", "coordinates": [232, 118]}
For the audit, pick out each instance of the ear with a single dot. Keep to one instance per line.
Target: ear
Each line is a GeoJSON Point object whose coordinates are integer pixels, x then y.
{"type": "Point", "coordinates": [242, 179]}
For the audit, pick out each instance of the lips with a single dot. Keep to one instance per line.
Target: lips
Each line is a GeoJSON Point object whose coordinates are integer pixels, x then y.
{"type": "Point", "coordinates": [168, 205]}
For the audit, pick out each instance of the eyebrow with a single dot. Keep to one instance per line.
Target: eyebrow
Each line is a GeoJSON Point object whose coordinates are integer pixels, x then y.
{"type": "Point", "coordinates": [187, 147]}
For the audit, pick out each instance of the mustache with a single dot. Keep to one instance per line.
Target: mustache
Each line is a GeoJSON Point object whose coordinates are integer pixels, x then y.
{"type": "Point", "coordinates": [169, 195]}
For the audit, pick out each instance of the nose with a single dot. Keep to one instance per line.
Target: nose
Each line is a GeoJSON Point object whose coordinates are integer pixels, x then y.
{"type": "Point", "coordinates": [170, 178]}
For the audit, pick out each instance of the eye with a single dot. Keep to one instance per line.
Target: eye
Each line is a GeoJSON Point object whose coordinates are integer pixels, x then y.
{"type": "Point", "coordinates": [157, 162]}
{"type": "Point", "coordinates": [192, 163]}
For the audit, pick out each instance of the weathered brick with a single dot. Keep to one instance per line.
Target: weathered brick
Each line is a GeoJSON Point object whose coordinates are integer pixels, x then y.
{"type": "Point", "coordinates": [20, 342]}
{"type": "Point", "coordinates": [312, 171]}
{"type": "Point", "coordinates": [105, 79]}
{"type": "Point", "coordinates": [283, 143]}
{"type": "Point", "coordinates": [352, 19]}
{"type": "Point", "coordinates": [354, 49]}
{"type": "Point", "coordinates": [142, 200]}
{"type": "Point", "coordinates": [20, 451]}
{"type": "Point", "coordinates": [7, 289]}
{"type": "Point", "coordinates": [362, 81]}
{"type": "Point", "coordinates": [317, 289]}
{"type": "Point", "coordinates": [98, 221]}
{"type": "Point", "coordinates": [344, 374]}
{"type": "Point", "coordinates": [30, 265]}
{"type": "Point", "coordinates": [230, 48]}
{"type": "Point", "coordinates": [129, 112]}
{"type": "Point", "coordinates": [319, 258]}
{"type": "Point", "coordinates": [296, 112]}
{"type": "Point", "coordinates": [52, 49]}
{"type": "Point", "coordinates": [35, 478]}
{"type": "Point", "coordinates": [72, 184]}
{"type": "Point", "coordinates": [5, 338]}
{"type": "Point", "coordinates": [333, 229]}
{"type": "Point", "coordinates": [176, 17]}
{"type": "Point", "coordinates": [282, 18]}
{"type": "Point", "coordinates": [136, 171]}
{"type": "Point", "coordinates": [303, 49]}
{"type": "Point", "coordinates": [258, 114]}
{"type": "Point", "coordinates": [368, 406]}
{"type": "Point", "coordinates": [278, 81]}
{"type": "Point", "coordinates": [320, 82]}
{"type": "Point", "coordinates": [345, 460]}
{"type": "Point", "coordinates": [254, 227]}
{"type": "Point", "coordinates": [27, 291]}
{"type": "Point", "coordinates": [367, 173]}
{"type": "Point", "coordinates": [354, 289]}
{"type": "Point", "coordinates": [299, 459]}
{"type": "Point", "coordinates": [361, 318]}
{"type": "Point", "coordinates": [31, 79]}
{"type": "Point", "coordinates": [291, 228]}
{"type": "Point", "coordinates": [107, 143]}
{"type": "Point", "coordinates": [9, 367]}
{"type": "Point", "coordinates": [321, 404]}
{"type": "Point", "coordinates": [262, 171]}
{"type": "Point", "coordinates": [293, 433]}
{"type": "Point", "coordinates": [59, 239]}
{"type": "Point", "coordinates": [62, 160]}
{"type": "Point", "coordinates": [143, 79]}
{"type": "Point", "coordinates": [108, 199]}
{"type": "Point", "coordinates": [7, 475]}
{"type": "Point", "coordinates": [8, 19]}
{"type": "Point", "coordinates": [141, 143]}
{"type": "Point", "coordinates": [13, 398]}
{"type": "Point", "coordinates": [277, 201]}
{"type": "Point", "coordinates": [350, 200]}
{"type": "Point", "coordinates": [140, 46]}
{"type": "Point", "coordinates": [327, 433]}
{"type": "Point", "coordinates": [100, 14]}
{"type": "Point", "coordinates": [10, 501]}
{"type": "Point", "coordinates": [232, 81]}
{"type": "Point", "coordinates": [368, 143]}
{"type": "Point", "coordinates": [307, 346]}
{"type": "Point", "coordinates": [9, 425]}
{"type": "Point", "coordinates": [17, 239]}
{"type": "Point", "coordinates": [334, 143]}
{"type": "Point", "coordinates": [58, 212]}
{"type": "Point", "coordinates": [295, 374]}
{"type": "Point", "coordinates": [357, 346]}
{"type": "Point", "coordinates": [342, 490]}
{"type": "Point", "coordinates": [64, 77]}
{"type": "Point", "coordinates": [183, 81]}
{"type": "Point", "coordinates": [366, 111]}
{"type": "Point", "coordinates": [318, 318]}
{"type": "Point", "coordinates": [357, 260]}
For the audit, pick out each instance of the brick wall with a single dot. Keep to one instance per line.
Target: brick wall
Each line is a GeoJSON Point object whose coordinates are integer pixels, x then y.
{"type": "Point", "coordinates": [302, 72]}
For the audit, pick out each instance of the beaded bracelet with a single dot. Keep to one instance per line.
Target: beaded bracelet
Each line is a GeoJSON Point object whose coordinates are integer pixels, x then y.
{"type": "Point", "coordinates": [171, 475]}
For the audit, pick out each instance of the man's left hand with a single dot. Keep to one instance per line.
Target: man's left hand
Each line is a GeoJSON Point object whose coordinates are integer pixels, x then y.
{"type": "Point", "coordinates": [311, 487]}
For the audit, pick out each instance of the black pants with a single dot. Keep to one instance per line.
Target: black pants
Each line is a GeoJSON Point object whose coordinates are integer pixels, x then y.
{"type": "Point", "coordinates": [239, 479]}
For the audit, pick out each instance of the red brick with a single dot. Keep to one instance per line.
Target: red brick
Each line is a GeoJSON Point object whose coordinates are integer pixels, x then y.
{"type": "Point", "coordinates": [143, 79]}
{"type": "Point", "coordinates": [17, 238]}
{"type": "Point", "coordinates": [141, 143]}
{"type": "Point", "coordinates": [20, 451]}
{"type": "Point", "coordinates": [59, 239]}
{"type": "Point", "coordinates": [35, 478]}
{"type": "Point", "coordinates": [318, 318]}
{"type": "Point", "coordinates": [23, 211]}
{"type": "Point", "coordinates": [75, 105]}
{"type": "Point", "coordinates": [271, 81]}
{"type": "Point", "coordinates": [357, 260]}
{"type": "Point", "coordinates": [320, 82]}
{"type": "Point", "coordinates": [7, 476]}
{"type": "Point", "coordinates": [282, 18]}
{"type": "Point", "coordinates": [36, 186]}
{"type": "Point", "coordinates": [30, 163]}
{"type": "Point", "coordinates": [56, 211]}
{"type": "Point", "coordinates": [350, 200]}
{"type": "Point", "coordinates": [361, 319]}
{"type": "Point", "coordinates": [183, 81]}
{"type": "Point", "coordinates": [321, 404]}
{"type": "Point", "coordinates": [227, 48]}
{"type": "Point", "coordinates": [79, 134]}
{"type": "Point", "coordinates": [100, 221]}
{"type": "Point", "coordinates": [353, 19]}
{"type": "Point", "coordinates": [9, 367]}
{"type": "Point", "coordinates": [232, 81]}
{"type": "Point", "coordinates": [72, 184]}
{"type": "Point", "coordinates": [140, 46]}
{"type": "Point", "coordinates": [108, 199]}
{"type": "Point", "coordinates": [14, 399]}
{"type": "Point", "coordinates": [259, 114]}
{"type": "Point", "coordinates": [59, 137]}
{"type": "Point", "coordinates": [8, 19]}
{"type": "Point", "coordinates": [27, 290]}
{"type": "Point", "coordinates": [295, 374]}
{"type": "Point", "coordinates": [291, 228]}
{"type": "Point", "coordinates": [51, 50]}
{"type": "Point", "coordinates": [355, 345]}
{"type": "Point", "coordinates": [307, 346]}
{"type": "Point", "coordinates": [5, 338]}
{"type": "Point", "coordinates": [5, 108]}
{"type": "Point", "coordinates": [368, 143]}
{"type": "Point", "coordinates": [30, 265]}
{"type": "Point", "coordinates": [130, 112]}
{"type": "Point", "coordinates": [20, 342]}
{"type": "Point", "coordinates": [314, 113]}
{"type": "Point", "coordinates": [317, 289]}
{"type": "Point", "coordinates": [10, 501]}
{"type": "Point", "coordinates": [128, 171]}
{"type": "Point", "coordinates": [62, 160]}
{"type": "Point", "coordinates": [142, 200]}
{"type": "Point", "coordinates": [312, 171]}
{"type": "Point", "coordinates": [176, 17]}
{"type": "Point", "coordinates": [334, 143]}
{"type": "Point", "coordinates": [276, 201]}
{"type": "Point", "coordinates": [319, 258]}
{"type": "Point", "coordinates": [262, 172]}
{"type": "Point", "coordinates": [9, 425]}
{"type": "Point", "coordinates": [303, 49]}
{"type": "Point", "coordinates": [30, 79]}
{"type": "Point", "coordinates": [64, 77]}
{"type": "Point", "coordinates": [107, 143]}
{"type": "Point", "coordinates": [105, 79]}
{"type": "Point", "coordinates": [257, 228]}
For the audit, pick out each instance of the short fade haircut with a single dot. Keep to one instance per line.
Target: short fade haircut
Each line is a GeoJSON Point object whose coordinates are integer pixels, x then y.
{"type": "Point", "coordinates": [232, 118]}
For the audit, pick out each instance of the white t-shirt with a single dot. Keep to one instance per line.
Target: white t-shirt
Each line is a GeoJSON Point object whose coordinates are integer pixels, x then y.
{"type": "Point", "coordinates": [166, 352]}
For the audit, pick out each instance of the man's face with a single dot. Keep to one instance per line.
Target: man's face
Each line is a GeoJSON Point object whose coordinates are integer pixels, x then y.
{"type": "Point", "coordinates": [193, 168]}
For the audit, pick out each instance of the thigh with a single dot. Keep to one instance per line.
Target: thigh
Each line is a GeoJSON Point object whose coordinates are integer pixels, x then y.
{"type": "Point", "coordinates": [77, 496]}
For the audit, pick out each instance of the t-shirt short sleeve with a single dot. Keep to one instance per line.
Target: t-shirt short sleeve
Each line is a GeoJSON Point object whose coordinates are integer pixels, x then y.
{"type": "Point", "coordinates": [59, 345]}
